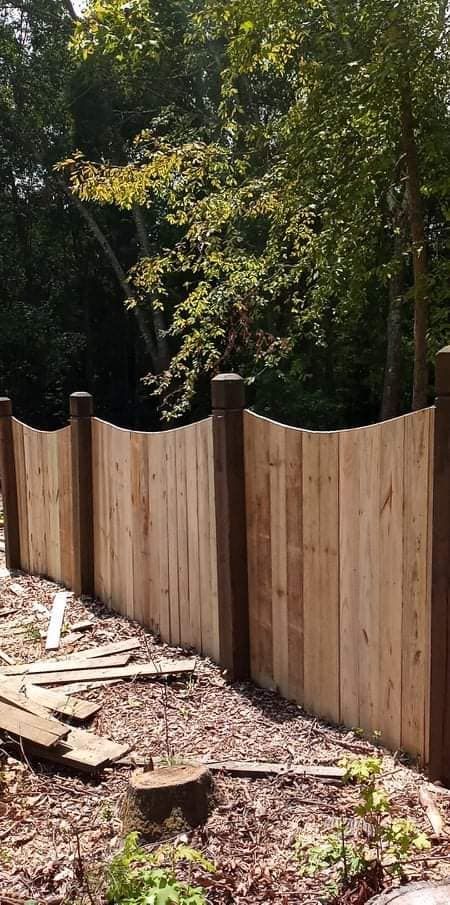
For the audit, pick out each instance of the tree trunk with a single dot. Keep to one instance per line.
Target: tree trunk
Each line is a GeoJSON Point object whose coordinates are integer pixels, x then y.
{"type": "Point", "coordinates": [167, 801]}
{"type": "Point", "coordinates": [418, 240]}
{"type": "Point", "coordinates": [146, 334]}
{"type": "Point", "coordinates": [157, 315]}
{"type": "Point", "coordinates": [390, 406]}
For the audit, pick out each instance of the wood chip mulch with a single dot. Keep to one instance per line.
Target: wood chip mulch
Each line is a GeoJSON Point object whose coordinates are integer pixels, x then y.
{"type": "Point", "coordinates": [58, 827]}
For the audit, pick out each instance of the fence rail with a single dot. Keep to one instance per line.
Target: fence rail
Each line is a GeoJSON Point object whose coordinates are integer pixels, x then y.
{"type": "Point", "coordinates": [316, 563]}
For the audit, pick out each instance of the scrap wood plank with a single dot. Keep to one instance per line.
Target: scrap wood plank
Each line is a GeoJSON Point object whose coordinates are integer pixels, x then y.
{"type": "Point", "coordinates": [55, 700]}
{"type": "Point", "coordinates": [134, 671]}
{"type": "Point", "coordinates": [11, 693]}
{"type": "Point", "coordinates": [6, 658]}
{"type": "Point", "coordinates": [31, 727]}
{"type": "Point", "coordinates": [56, 620]}
{"type": "Point", "coordinates": [75, 687]}
{"type": "Point", "coordinates": [106, 650]}
{"type": "Point", "coordinates": [261, 768]}
{"type": "Point", "coordinates": [42, 666]}
{"type": "Point", "coordinates": [82, 750]}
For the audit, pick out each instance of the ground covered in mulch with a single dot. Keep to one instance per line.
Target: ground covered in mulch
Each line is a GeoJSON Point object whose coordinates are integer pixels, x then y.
{"type": "Point", "coordinates": [57, 825]}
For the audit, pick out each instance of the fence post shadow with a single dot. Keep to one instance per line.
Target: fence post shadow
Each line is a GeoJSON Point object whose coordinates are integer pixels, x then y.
{"type": "Point", "coordinates": [8, 481]}
{"type": "Point", "coordinates": [81, 411]}
{"type": "Point", "coordinates": [228, 403]}
{"type": "Point", "coordinates": [439, 696]}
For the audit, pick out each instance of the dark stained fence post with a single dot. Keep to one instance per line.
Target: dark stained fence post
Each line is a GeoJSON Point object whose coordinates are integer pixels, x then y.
{"type": "Point", "coordinates": [439, 732]}
{"type": "Point", "coordinates": [228, 403]}
{"type": "Point", "coordinates": [81, 411]}
{"type": "Point", "coordinates": [9, 486]}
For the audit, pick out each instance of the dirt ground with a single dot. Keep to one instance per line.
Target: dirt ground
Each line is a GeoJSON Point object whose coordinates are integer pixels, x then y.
{"type": "Point", "coordinates": [49, 816]}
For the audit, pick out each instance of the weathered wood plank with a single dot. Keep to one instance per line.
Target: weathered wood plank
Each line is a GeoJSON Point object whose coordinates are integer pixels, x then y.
{"type": "Point", "coordinates": [135, 670]}
{"type": "Point", "coordinates": [278, 534]}
{"type": "Point", "coordinates": [29, 726]}
{"type": "Point", "coordinates": [294, 554]}
{"type": "Point", "coordinates": [56, 620]}
{"type": "Point", "coordinates": [349, 574]}
{"type": "Point", "coordinates": [415, 611]}
{"type": "Point", "coordinates": [55, 700]}
{"type": "Point", "coordinates": [51, 666]}
{"type": "Point", "coordinates": [391, 583]}
{"type": "Point", "coordinates": [257, 470]}
{"type": "Point", "coordinates": [321, 574]}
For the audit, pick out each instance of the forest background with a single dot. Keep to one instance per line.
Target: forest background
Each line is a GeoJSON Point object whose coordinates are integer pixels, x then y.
{"type": "Point", "coordinates": [193, 186]}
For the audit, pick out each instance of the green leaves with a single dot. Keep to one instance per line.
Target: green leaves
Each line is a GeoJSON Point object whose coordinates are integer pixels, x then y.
{"type": "Point", "coordinates": [135, 876]}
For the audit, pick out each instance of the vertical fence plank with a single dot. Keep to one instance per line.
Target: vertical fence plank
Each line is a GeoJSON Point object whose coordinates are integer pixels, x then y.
{"type": "Point", "coordinates": [193, 535]}
{"type": "Point", "coordinates": [391, 582]}
{"type": "Point", "coordinates": [65, 506]}
{"type": "Point", "coordinates": [439, 697]}
{"type": "Point", "coordinates": [415, 582]}
{"type": "Point", "coordinates": [294, 561]}
{"type": "Point", "coordinates": [172, 538]}
{"type": "Point", "coordinates": [349, 578]}
{"type": "Point", "coordinates": [164, 601]}
{"type": "Point", "coordinates": [257, 481]}
{"type": "Point", "coordinates": [81, 409]}
{"type": "Point", "coordinates": [182, 542]}
{"type": "Point", "coordinates": [278, 531]}
{"type": "Point", "coordinates": [21, 483]}
{"type": "Point", "coordinates": [213, 550]}
{"type": "Point", "coordinates": [228, 401]}
{"type": "Point", "coordinates": [321, 573]}
{"type": "Point", "coordinates": [371, 633]}
{"type": "Point", "coordinates": [140, 527]}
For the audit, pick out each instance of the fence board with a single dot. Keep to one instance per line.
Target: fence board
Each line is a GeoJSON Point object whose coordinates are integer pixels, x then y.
{"type": "Point", "coordinates": [257, 477]}
{"type": "Point", "coordinates": [44, 500]}
{"type": "Point", "coordinates": [321, 574]}
{"type": "Point", "coordinates": [414, 649]}
{"type": "Point", "coordinates": [339, 529]}
{"type": "Point", "coordinates": [152, 530]}
{"type": "Point", "coordinates": [391, 583]}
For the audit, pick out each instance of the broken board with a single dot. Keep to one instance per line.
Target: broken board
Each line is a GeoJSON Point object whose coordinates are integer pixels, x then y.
{"type": "Point", "coordinates": [43, 666]}
{"type": "Point", "coordinates": [134, 671]}
{"type": "Point", "coordinates": [29, 726]}
{"type": "Point", "coordinates": [53, 699]}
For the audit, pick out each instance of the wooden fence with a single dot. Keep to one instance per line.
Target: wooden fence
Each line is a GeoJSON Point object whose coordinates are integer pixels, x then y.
{"type": "Point", "coordinates": [316, 563]}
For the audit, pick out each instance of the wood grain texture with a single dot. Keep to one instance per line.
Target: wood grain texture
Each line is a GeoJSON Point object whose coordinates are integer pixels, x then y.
{"type": "Point", "coordinates": [259, 547]}
{"type": "Point", "coordinates": [339, 541]}
{"type": "Point", "coordinates": [44, 501]}
{"type": "Point", "coordinates": [155, 557]}
{"type": "Point", "coordinates": [321, 574]}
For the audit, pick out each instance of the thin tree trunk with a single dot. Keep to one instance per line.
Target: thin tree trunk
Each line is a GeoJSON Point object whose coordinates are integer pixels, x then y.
{"type": "Point", "coordinates": [419, 251]}
{"type": "Point", "coordinates": [157, 315]}
{"type": "Point", "coordinates": [120, 274]}
{"type": "Point", "coordinates": [390, 406]}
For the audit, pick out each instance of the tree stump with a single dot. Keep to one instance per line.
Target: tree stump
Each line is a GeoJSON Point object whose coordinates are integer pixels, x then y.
{"type": "Point", "coordinates": [416, 894]}
{"type": "Point", "coordinates": [167, 801]}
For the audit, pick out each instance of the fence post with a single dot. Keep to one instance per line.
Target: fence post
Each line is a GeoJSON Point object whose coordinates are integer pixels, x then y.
{"type": "Point", "coordinates": [228, 403]}
{"type": "Point", "coordinates": [9, 486]}
{"type": "Point", "coordinates": [81, 411]}
{"type": "Point", "coordinates": [439, 730]}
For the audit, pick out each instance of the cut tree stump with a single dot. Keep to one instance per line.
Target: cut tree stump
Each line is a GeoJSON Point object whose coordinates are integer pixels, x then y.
{"type": "Point", "coordinates": [167, 801]}
{"type": "Point", "coordinates": [416, 894]}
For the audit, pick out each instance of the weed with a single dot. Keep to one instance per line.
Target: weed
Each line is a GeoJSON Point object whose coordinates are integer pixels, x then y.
{"type": "Point", "coordinates": [386, 846]}
{"type": "Point", "coordinates": [137, 877]}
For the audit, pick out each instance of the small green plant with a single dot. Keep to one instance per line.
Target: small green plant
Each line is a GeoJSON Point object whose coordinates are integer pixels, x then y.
{"type": "Point", "coordinates": [137, 877]}
{"type": "Point", "coordinates": [32, 633]}
{"type": "Point", "coordinates": [383, 849]}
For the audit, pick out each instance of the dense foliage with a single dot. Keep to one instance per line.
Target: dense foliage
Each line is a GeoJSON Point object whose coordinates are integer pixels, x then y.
{"type": "Point", "coordinates": [248, 185]}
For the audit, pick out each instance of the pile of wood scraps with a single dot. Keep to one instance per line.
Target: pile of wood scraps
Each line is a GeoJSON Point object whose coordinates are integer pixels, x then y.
{"type": "Point", "coordinates": [30, 714]}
